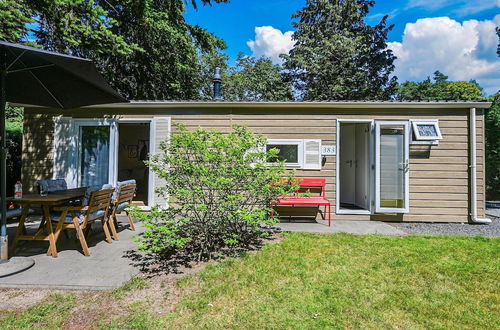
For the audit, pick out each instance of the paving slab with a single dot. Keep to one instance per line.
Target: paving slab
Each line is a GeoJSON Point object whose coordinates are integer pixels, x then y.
{"type": "Point", "coordinates": [106, 268]}
{"type": "Point", "coordinates": [341, 226]}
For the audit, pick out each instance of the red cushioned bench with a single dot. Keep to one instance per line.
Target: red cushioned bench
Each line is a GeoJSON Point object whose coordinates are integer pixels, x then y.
{"type": "Point", "coordinates": [308, 185]}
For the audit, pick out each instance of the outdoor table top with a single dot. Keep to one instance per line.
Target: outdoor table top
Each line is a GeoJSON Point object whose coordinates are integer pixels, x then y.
{"type": "Point", "coordinates": [52, 198]}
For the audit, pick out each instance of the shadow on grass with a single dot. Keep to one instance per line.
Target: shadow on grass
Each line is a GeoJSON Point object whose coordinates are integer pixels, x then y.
{"type": "Point", "coordinates": [176, 260]}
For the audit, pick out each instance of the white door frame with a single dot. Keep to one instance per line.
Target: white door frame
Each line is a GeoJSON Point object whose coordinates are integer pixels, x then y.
{"type": "Point", "coordinates": [337, 167]}
{"type": "Point", "coordinates": [152, 136]}
{"type": "Point", "coordinates": [75, 127]}
{"type": "Point", "coordinates": [406, 165]}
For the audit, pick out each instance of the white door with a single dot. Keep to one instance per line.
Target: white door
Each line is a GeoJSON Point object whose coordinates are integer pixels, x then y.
{"type": "Point", "coordinates": [347, 164]}
{"type": "Point", "coordinates": [392, 167]}
{"type": "Point", "coordinates": [362, 165]}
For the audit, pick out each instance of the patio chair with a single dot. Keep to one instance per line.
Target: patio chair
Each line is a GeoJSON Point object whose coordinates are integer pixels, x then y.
{"type": "Point", "coordinates": [122, 198]}
{"type": "Point", "coordinates": [53, 185]}
{"type": "Point", "coordinates": [95, 206]}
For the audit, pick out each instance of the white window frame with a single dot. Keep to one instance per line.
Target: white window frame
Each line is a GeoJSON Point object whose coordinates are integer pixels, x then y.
{"type": "Point", "coordinates": [339, 210]}
{"type": "Point", "coordinates": [416, 138]}
{"type": "Point", "coordinates": [300, 150]}
{"type": "Point", "coordinates": [378, 208]}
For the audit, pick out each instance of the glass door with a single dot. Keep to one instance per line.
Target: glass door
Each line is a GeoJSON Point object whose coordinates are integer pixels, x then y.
{"type": "Point", "coordinates": [95, 161]}
{"type": "Point", "coordinates": [392, 167]}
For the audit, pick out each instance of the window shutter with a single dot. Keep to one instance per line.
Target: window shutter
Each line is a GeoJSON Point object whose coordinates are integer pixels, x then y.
{"type": "Point", "coordinates": [312, 154]}
{"type": "Point", "coordinates": [64, 166]}
{"type": "Point", "coordinates": [162, 132]}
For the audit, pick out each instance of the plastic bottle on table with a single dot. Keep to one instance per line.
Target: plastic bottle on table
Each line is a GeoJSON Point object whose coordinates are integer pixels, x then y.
{"type": "Point", "coordinates": [18, 190]}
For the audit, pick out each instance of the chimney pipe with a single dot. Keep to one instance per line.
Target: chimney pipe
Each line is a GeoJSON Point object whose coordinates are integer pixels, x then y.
{"type": "Point", "coordinates": [217, 84]}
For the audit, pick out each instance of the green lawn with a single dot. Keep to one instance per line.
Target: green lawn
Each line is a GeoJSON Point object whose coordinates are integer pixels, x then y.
{"type": "Point", "coordinates": [342, 281]}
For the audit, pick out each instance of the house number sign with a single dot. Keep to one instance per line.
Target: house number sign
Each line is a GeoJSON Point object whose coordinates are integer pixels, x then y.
{"type": "Point", "coordinates": [328, 150]}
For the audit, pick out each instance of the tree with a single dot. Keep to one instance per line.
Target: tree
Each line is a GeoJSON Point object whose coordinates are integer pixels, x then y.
{"type": "Point", "coordinates": [145, 48]}
{"type": "Point", "coordinates": [337, 56]}
{"type": "Point", "coordinates": [219, 190]}
{"type": "Point", "coordinates": [14, 17]}
{"type": "Point", "coordinates": [255, 79]}
{"type": "Point", "coordinates": [209, 62]}
{"type": "Point", "coordinates": [492, 122]}
{"type": "Point", "coordinates": [498, 35]}
{"type": "Point", "coordinates": [440, 89]}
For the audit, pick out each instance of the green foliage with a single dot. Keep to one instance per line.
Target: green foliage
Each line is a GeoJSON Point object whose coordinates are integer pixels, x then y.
{"type": "Point", "coordinates": [13, 19]}
{"type": "Point", "coordinates": [77, 27]}
{"type": "Point", "coordinates": [255, 80]}
{"type": "Point", "coordinates": [497, 29]}
{"type": "Point", "coordinates": [168, 64]}
{"type": "Point", "coordinates": [219, 188]}
{"type": "Point", "coordinates": [337, 56]}
{"type": "Point", "coordinates": [209, 62]}
{"type": "Point", "coordinates": [493, 149]}
{"type": "Point", "coordinates": [14, 139]}
{"type": "Point", "coordinates": [440, 89]}
{"type": "Point", "coordinates": [145, 49]}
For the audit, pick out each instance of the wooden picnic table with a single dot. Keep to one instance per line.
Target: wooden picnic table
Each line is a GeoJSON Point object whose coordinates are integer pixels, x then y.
{"type": "Point", "coordinates": [46, 202]}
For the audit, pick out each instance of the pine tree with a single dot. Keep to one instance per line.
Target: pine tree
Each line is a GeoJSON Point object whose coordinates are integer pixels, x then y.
{"type": "Point", "coordinates": [337, 56]}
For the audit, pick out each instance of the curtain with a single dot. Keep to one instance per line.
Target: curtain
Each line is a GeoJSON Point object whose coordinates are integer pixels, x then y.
{"type": "Point", "coordinates": [94, 166]}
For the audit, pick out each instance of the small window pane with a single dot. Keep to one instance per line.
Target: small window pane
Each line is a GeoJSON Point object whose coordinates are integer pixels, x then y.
{"type": "Point", "coordinates": [287, 152]}
{"type": "Point", "coordinates": [428, 130]}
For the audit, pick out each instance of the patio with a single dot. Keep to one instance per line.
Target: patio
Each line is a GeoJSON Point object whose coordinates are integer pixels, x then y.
{"type": "Point", "coordinates": [106, 268]}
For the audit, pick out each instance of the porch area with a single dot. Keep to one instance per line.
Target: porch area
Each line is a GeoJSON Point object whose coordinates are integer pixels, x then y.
{"type": "Point", "coordinates": [108, 267]}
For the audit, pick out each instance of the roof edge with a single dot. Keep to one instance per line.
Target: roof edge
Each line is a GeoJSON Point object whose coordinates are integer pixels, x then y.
{"type": "Point", "coordinates": [289, 105]}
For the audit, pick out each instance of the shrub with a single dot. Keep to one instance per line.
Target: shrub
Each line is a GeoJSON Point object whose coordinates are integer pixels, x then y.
{"type": "Point", "coordinates": [14, 138]}
{"type": "Point", "coordinates": [219, 188]}
{"type": "Point", "coordinates": [493, 150]}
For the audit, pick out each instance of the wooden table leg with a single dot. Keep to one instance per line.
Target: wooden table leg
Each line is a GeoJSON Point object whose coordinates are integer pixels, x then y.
{"type": "Point", "coordinates": [20, 228]}
{"type": "Point", "coordinates": [59, 226]}
{"type": "Point", "coordinates": [52, 251]}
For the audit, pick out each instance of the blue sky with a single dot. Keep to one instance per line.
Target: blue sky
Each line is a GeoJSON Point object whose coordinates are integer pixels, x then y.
{"type": "Point", "coordinates": [454, 36]}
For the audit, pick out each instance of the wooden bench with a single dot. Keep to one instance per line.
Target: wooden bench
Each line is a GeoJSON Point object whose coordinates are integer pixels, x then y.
{"type": "Point", "coordinates": [306, 186]}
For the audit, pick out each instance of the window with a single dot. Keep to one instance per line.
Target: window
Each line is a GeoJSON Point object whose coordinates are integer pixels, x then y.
{"type": "Point", "coordinates": [426, 130]}
{"type": "Point", "coordinates": [291, 151]}
{"type": "Point", "coordinates": [287, 152]}
{"type": "Point", "coordinates": [305, 154]}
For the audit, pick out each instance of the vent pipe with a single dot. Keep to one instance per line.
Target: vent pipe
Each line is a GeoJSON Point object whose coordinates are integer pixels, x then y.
{"type": "Point", "coordinates": [217, 85]}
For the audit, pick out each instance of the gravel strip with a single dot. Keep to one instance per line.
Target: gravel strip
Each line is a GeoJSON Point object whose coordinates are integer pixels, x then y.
{"type": "Point", "coordinates": [465, 229]}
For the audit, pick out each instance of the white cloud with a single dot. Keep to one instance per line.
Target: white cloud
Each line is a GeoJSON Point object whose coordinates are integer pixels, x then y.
{"type": "Point", "coordinates": [271, 42]}
{"type": "Point", "coordinates": [463, 51]}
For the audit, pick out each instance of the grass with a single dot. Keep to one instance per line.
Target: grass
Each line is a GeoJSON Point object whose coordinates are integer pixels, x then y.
{"type": "Point", "coordinates": [352, 281]}
{"type": "Point", "coordinates": [316, 281]}
{"type": "Point", "coordinates": [134, 284]}
{"type": "Point", "coordinates": [48, 314]}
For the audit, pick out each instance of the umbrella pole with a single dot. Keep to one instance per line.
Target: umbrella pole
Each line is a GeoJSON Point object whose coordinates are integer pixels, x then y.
{"type": "Point", "coordinates": [4, 245]}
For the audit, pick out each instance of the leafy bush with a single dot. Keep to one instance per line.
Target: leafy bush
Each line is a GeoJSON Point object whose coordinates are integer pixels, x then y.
{"type": "Point", "coordinates": [219, 188]}
{"type": "Point", "coordinates": [14, 138]}
{"type": "Point", "coordinates": [493, 150]}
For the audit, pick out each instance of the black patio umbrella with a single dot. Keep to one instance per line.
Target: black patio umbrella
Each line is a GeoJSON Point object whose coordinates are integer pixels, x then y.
{"type": "Point", "coordinates": [33, 76]}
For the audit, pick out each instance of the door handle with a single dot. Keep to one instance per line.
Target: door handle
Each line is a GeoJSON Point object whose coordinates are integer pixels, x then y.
{"type": "Point", "coordinates": [405, 167]}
